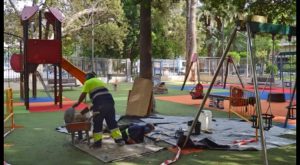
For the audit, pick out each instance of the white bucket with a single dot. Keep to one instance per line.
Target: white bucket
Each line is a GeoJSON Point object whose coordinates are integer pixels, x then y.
{"type": "Point", "coordinates": [206, 119]}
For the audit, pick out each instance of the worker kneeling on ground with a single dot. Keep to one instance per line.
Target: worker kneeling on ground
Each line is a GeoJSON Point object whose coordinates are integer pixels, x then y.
{"type": "Point", "coordinates": [135, 133]}
{"type": "Point", "coordinates": [103, 103]}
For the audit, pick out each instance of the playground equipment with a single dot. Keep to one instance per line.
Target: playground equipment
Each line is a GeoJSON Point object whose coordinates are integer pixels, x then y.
{"type": "Point", "coordinates": [274, 97]}
{"type": "Point", "coordinates": [246, 24]}
{"type": "Point", "coordinates": [291, 113]}
{"type": "Point", "coordinates": [197, 91]}
{"type": "Point", "coordinates": [42, 51]}
{"type": "Point", "coordinates": [290, 54]}
{"type": "Point", "coordinates": [242, 103]}
{"type": "Point", "coordinates": [194, 58]}
{"type": "Point", "coordinates": [230, 61]}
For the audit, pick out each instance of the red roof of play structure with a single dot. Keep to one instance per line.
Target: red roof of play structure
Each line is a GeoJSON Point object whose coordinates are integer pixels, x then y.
{"type": "Point", "coordinates": [29, 11]}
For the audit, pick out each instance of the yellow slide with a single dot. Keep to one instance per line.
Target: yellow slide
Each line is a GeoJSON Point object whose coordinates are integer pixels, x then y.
{"type": "Point", "coordinates": [73, 70]}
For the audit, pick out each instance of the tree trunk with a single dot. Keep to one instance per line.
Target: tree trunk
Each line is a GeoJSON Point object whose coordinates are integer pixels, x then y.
{"type": "Point", "coordinates": [192, 24]}
{"type": "Point", "coordinates": [219, 28]}
{"type": "Point", "coordinates": [145, 40]}
{"type": "Point", "coordinates": [192, 43]}
{"type": "Point", "coordinates": [187, 37]}
{"type": "Point", "coordinates": [220, 46]}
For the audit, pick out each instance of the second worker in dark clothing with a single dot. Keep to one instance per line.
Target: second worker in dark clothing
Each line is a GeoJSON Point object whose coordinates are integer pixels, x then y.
{"type": "Point", "coordinates": [136, 133]}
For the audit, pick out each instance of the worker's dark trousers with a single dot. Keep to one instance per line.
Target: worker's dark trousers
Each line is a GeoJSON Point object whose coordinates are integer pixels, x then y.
{"type": "Point", "coordinates": [107, 112]}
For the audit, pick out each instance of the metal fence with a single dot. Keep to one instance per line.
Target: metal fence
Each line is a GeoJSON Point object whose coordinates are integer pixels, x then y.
{"type": "Point", "coordinates": [122, 67]}
{"type": "Point", "coordinates": [102, 66]}
{"type": "Point", "coordinates": [207, 65]}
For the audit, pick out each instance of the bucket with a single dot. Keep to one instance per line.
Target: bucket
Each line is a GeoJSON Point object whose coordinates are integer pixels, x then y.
{"type": "Point", "coordinates": [197, 128]}
{"type": "Point", "coordinates": [205, 119]}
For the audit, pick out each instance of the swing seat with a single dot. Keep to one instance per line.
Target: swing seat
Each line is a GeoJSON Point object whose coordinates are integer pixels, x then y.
{"type": "Point", "coordinates": [197, 92]}
{"type": "Point", "coordinates": [276, 97]}
{"type": "Point", "coordinates": [292, 112]}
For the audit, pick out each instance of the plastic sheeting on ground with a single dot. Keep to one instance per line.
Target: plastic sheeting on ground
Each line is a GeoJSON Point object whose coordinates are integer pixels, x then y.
{"type": "Point", "coordinates": [224, 132]}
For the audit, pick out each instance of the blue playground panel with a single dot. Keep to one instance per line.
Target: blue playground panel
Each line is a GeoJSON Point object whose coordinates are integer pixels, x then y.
{"type": "Point", "coordinates": [263, 95]}
{"type": "Point", "coordinates": [190, 87]}
{"type": "Point", "coordinates": [40, 99]}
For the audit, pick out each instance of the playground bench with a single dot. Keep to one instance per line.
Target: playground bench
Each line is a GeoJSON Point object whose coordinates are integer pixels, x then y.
{"type": "Point", "coordinates": [263, 80]}
{"type": "Point", "coordinates": [71, 82]}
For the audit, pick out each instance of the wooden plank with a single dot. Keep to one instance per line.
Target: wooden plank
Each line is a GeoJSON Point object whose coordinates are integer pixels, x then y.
{"type": "Point", "coordinates": [139, 98]}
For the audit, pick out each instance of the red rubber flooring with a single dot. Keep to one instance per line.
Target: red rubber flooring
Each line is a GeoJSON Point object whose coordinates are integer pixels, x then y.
{"type": "Point", "coordinates": [279, 110]}
{"type": "Point", "coordinates": [50, 106]}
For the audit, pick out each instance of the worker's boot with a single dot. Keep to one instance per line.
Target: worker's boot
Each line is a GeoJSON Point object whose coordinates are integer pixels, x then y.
{"type": "Point", "coordinates": [120, 142]}
{"type": "Point", "coordinates": [97, 144]}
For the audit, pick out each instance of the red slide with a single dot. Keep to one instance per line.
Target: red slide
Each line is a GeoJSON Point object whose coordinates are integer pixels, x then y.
{"type": "Point", "coordinates": [73, 70]}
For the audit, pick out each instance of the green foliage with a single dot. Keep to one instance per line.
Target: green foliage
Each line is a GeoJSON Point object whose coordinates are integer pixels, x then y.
{"type": "Point", "coordinates": [291, 66]}
{"type": "Point", "coordinates": [117, 26]}
{"type": "Point", "coordinates": [263, 47]}
{"type": "Point", "coordinates": [131, 45]}
{"type": "Point", "coordinates": [261, 56]}
{"type": "Point", "coordinates": [272, 68]}
{"type": "Point", "coordinates": [167, 36]}
{"type": "Point", "coordinates": [243, 54]}
{"type": "Point", "coordinates": [235, 56]}
{"type": "Point", "coordinates": [110, 30]}
{"type": "Point", "coordinates": [68, 46]}
{"type": "Point", "coordinates": [11, 22]}
{"type": "Point", "coordinates": [277, 11]}
{"type": "Point", "coordinates": [108, 40]}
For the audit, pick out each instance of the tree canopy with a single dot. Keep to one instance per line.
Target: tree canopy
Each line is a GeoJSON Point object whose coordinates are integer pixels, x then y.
{"type": "Point", "coordinates": [117, 25]}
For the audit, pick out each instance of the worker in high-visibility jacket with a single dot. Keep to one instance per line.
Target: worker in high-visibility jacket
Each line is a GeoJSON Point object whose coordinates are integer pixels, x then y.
{"type": "Point", "coordinates": [103, 103]}
{"type": "Point", "coordinates": [135, 133]}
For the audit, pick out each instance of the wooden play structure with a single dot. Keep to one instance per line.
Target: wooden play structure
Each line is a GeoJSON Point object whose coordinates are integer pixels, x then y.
{"type": "Point", "coordinates": [42, 50]}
